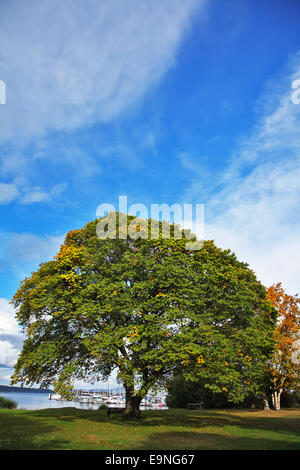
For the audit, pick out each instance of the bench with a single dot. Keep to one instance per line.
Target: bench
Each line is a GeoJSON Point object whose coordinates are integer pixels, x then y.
{"type": "Point", "coordinates": [194, 406]}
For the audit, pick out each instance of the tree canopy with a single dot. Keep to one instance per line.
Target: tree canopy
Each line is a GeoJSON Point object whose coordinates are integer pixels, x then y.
{"type": "Point", "coordinates": [146, 308]}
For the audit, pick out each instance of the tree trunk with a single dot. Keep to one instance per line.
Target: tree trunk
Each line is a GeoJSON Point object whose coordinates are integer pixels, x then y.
{"type": "Point", "coordinates": [132, 408]}
{"type": "Point", "coordinates": [273, 401]}
{"type": "Point", "coordinates": [276, 399]}
{"type": "Point", "coordinates": [266, 405]}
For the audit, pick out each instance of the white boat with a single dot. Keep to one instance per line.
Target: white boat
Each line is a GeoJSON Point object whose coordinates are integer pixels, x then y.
{"type": "Point", "coordinates": [114, 400]}
{"type": "Point", "coordinates": [96, 399]}
{"type": "Point", "coordinates": [85, 396]}
{"type": "Point", "coordinates": [84, 399]}
{"type": "Point", "coordinates": [145, 402]}
{"type": "Point", "coordinates": [54, 396]}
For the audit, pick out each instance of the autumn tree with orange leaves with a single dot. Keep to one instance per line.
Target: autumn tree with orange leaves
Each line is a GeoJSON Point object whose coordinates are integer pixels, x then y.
{"type": "Point", "coordinates": [284, 369]}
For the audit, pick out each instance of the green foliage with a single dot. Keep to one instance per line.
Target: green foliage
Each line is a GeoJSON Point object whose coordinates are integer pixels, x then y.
{"type": "Point", "coordinates": [288, 399]}
{"type": "Point", "coordinates": [147, 308]}
{"type": "Point", "coordinates": [182, 391]}
{"type": "Point", "coordinates": [7, 403]}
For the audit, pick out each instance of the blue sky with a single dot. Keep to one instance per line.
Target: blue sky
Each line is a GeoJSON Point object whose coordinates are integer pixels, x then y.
{"type": "Point", "coordinates": [162, 101]}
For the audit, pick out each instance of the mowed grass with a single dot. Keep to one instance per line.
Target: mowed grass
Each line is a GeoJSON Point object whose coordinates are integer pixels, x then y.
{"type": "Point", "coordinates": [75, 429]}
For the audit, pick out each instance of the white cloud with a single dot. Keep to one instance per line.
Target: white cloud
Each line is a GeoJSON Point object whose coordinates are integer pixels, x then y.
{"type": "Point", "coordinates": [8, 354]}
{"type": "Point", "coordinates": [10, 334]}
{"type": "Point", "coordinates": [255, 214]}
{"type": "Point", "coordinates": [34, 195]}
{"type": "Point", "coordinates": [5, 379]}
{"type": "Point", "coordinates": [8, 323]}
{"type": "Point", "coordinates": [21, 253]}
{"type": "Point", "coordinates": [8, 192]}
{"type": "Point", "coordinates": [72, 62]}
{"type": "Point", "coordinates": [25, 194]}
{"type": "Point", "coordinates": [274, 259]}
{"type": "Point", "coordinates": [27, 247]}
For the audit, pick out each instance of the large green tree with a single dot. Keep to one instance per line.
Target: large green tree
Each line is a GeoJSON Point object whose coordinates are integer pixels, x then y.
{"type": "Point", "coordinates": [147, 308]}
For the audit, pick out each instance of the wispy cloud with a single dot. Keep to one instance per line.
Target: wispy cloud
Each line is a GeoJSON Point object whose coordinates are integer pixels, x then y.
{"type": "Point", "coordinates": [71, 63]}
{"type": "Point", "coordinates": [36, 194]}
{"type": "Point", "coordinates": [8, 354]}
{"type": "Point", "coordinates": [20, 253]}
{"type": "Point", "coordinates": [8, 324]}
{"type": "Point", "coordinates": [19, 191]}
{"type": "Point", "coordinates": [255, 211]}
{"type": "Point", "coordinates": [8, 192]}
{"type": "Point", "coordinates": [11, 339]}
{"type": "Point", "coordinates": [20, 248]}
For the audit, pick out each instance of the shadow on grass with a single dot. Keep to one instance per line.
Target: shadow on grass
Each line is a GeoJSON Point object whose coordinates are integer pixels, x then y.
{"type": "Point", "coordinates": [66, 413]}
{"type": "Point", "coordinates": [167, 429]}
{"type": "Point", "coordinates": [272, 421]}
{"type": "Point", "coordinates": [23, 432]}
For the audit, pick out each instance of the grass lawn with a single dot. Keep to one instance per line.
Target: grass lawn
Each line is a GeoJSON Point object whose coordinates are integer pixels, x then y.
{"type": "Point", "coordinates": [72, 429]}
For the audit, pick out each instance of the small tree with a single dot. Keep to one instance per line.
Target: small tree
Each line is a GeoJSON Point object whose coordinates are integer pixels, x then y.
{"type": "Point", "coordinates": [7, 403]}
{"type": "Point", "coordinates": [145, 307]}
{"type": "Point", "coordinates": [284, 370]}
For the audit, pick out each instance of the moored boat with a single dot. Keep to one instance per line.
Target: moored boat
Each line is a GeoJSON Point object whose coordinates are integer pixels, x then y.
{"type": "Point", "coordinates": [54, 396]}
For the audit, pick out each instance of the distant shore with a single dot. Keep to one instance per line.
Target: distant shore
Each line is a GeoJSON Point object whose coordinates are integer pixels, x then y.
{"type": "Point", "coordinates": [8, 389]}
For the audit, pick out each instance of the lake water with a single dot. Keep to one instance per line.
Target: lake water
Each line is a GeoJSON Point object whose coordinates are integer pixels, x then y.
{"type": "Point", "coordinates": [38, 401]}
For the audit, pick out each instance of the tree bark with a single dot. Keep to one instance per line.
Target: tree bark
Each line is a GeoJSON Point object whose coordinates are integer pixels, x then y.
{"type": "Point", "coordinates": [266, 405]}
{"type": "Point", "coordinates": [132, 408]}
{"type": "Point", "coordinates": [276, 399]}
